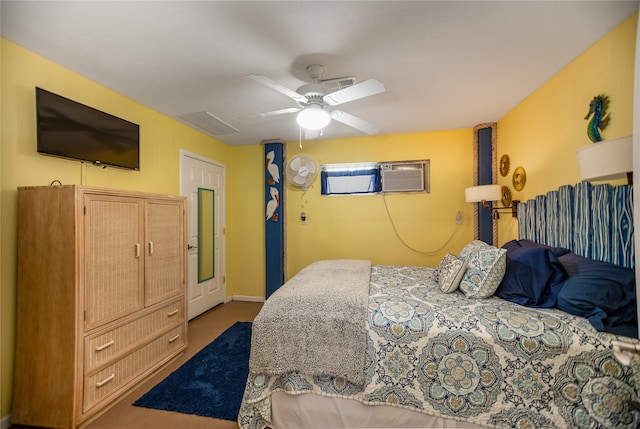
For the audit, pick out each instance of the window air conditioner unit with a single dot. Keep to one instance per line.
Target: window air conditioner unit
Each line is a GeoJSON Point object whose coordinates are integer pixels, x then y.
{"type": "Point", "coordinates": [405, 176]}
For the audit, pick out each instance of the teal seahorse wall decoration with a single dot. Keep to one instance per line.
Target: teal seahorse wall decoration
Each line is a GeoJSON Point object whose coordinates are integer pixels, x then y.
{"type": "Point", "coordinates": [598, 108]}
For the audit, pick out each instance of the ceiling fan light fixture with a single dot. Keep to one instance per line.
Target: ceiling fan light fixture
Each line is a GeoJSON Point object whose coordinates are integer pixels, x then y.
{"type": "Point", "coordinates": [313, 117]}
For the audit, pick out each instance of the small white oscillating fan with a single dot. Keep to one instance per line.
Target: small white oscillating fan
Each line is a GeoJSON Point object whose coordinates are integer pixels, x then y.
{"type": "Point", "coordinates": [301, 171]}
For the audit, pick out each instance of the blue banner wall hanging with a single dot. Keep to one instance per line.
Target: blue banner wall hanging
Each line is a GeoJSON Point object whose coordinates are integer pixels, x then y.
{"type": "Point", "coordinates": [274, 215]}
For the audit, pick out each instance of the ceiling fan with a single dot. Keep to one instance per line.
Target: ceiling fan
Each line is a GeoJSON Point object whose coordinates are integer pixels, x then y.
{"type": "Point", "coordinates": [314, 101]}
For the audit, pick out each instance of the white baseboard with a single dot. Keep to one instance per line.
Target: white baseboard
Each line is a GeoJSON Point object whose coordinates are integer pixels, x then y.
{"type": "Point", "coordinates": [5, 422]}
{"type": "Point", "coordinates": [246, 298]}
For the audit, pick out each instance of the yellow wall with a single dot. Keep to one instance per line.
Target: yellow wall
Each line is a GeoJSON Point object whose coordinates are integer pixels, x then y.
{"type": "Point", "coordinates": [161, 139]}
{"type": "Point", "coordinates": [357, 226]}
{"type": "Point", "coordinates": [543, 133]}
{"type": "Point", "coordinates": [245, 222]}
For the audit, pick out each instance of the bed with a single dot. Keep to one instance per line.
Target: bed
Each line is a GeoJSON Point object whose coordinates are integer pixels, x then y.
{"type": "Point", "coordinates": [492, 337]}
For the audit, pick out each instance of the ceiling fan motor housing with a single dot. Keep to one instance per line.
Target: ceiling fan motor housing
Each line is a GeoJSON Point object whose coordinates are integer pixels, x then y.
{"type": "Point", "coordinates": [313, 91]}
{"type": "Point", "coordinates": [315, 72]}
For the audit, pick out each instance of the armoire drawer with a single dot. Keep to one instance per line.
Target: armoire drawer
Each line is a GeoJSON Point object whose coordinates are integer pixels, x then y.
{"type": "Point", "coordinates": [103, 346]}
{"type": "Point", "coordinates": [99, 385]}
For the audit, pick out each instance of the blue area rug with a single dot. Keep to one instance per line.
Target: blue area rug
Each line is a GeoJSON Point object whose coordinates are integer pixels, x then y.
{"type": "Point", "coordinates": [211, 383]}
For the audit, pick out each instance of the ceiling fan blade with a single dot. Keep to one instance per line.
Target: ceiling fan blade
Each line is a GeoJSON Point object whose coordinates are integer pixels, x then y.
{"type": "Point", "coordinates": [276, 86]}
{"type": "Point", "coordinates": [272, 113]}
{"type": "Point", "coordinates": [359, 90]}
{"type": "Point", "coordinates": [355, 122]}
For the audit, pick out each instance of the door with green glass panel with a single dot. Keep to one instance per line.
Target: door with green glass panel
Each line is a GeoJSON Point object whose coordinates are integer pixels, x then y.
{"type": "Point", "coordinates": [202, 182]}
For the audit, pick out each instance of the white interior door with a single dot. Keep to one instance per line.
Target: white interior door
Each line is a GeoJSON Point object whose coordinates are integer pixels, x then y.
{"type": "Point", "coordinates": [206, 231]}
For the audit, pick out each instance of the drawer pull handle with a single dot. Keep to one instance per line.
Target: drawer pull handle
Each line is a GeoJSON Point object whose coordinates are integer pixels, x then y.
{"type": "Point", "coordinates": [151, 248]}
{"type": "Point", "coordinates": [174, 338]}
{"type": "Point", "coordinates": [105, 381]}
{"type": "Point", "coordinates": [105, 345]}
{"type": "Point", "coordinates": [137, 250]}
{"type": "Point", "coordinates": [172, 313]}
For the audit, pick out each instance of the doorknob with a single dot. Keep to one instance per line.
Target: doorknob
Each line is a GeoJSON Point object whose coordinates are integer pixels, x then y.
{"type": "Point", "coordinates": [190, 247]}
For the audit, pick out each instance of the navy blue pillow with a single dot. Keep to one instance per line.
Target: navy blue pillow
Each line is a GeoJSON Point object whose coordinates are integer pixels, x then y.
{"type": "Point", "coordinates": [533, 276]}
{"type": "Point", "coordinates": [558, 251]}
{"type": "Point", "coordinates": [603, 293]}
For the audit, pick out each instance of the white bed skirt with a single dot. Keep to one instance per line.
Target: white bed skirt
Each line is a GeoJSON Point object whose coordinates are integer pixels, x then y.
{"type": "Point", "coordinates": [310, 411]}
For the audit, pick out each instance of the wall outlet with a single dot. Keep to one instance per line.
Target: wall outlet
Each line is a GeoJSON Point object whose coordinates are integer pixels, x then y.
{"type": "Point", "coordinates": [458, 219]}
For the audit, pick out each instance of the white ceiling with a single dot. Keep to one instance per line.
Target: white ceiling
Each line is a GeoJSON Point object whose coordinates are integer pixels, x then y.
{"type": "Point", "coordinates": [445, 64]}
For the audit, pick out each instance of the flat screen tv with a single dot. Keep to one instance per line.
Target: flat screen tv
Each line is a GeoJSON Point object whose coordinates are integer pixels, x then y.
{"type": "Point", "coordinates": [70, 129]}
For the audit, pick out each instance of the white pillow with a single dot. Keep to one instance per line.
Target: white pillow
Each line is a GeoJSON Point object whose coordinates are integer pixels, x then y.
{"type": "Point", "coordinates": [450, 272]}
{"type": "Point", "coordinates": [486, 266]}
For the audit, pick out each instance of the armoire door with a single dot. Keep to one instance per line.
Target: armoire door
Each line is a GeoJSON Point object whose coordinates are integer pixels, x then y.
{"type": "Point", "coordinates": [114, 258]}
{"type": "Point", "coordinates": [165, 240]}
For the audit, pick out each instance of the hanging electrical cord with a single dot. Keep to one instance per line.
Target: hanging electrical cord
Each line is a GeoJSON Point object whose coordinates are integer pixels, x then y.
{"type": "Point", "coordinates": [320, 134]}
{"type": "Point", "coordinates": [422, 252]}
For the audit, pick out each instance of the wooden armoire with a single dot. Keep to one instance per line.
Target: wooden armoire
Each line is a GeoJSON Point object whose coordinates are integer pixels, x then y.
{"type": "Point", "coordinates": [101, 298]}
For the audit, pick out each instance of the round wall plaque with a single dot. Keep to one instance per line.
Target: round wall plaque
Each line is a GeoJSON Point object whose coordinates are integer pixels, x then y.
{"type": "Point", "coordinates": [506, 196]}
{"type": "Point", "coordinates": [519, 178]}
{"type": "Point", "coordinates": [504, 165]}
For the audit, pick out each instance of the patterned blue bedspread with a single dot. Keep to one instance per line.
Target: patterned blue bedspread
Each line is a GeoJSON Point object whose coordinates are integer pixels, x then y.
{"type": "Point", "coordinates": [488, 362]}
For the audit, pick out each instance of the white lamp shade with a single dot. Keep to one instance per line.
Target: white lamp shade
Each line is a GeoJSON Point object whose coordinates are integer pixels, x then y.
{"type": "Point", "coordinates": [476, 194]}
{"type": "Point", "coordinates": [313, 117]}
{"type": "Point", "coordinates": [606, 160]}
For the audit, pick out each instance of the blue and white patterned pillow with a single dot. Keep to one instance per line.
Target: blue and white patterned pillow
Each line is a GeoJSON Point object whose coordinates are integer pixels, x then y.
{"type": "Point", "coordinates": [486, 266]}
{"type": "Point", "coordinates": [473, 247]}
{"type": "Point", "coordinates": [450, 272]}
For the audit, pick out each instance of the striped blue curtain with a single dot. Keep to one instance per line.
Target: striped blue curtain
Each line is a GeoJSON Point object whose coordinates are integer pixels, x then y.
{"type": "Point", "coordinates": [595, 221]}
{"type": "Point", "coordinates": [540, 219]}
{"type": "Point", "coordinates": [530, 225]}
{"type": "Point", "coordinates": [522, 220]}
{"type": "Point", "coordinates": [622, 245]}
{"type": "Point", "coordinates": [565, 209]}
{"type": "Point", "coordinates": [551, 208]}
{"type": "Point", "coordinates": [582, 222]}
{"type": "Point", "coordinates": [601, 231]}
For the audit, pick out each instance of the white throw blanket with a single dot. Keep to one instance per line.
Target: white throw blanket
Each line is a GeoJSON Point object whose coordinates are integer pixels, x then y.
{"type": "Point", "coordinates": [315, 323]}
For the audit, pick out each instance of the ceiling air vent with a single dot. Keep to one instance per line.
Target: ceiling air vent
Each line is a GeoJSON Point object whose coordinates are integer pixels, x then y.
{"type": "Point", "coordinates": [339, 83]}
{"type": "Point", "coordinates": [209, 123]}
